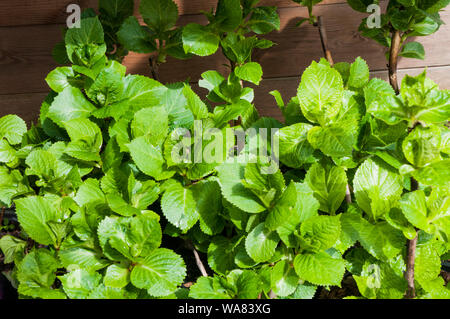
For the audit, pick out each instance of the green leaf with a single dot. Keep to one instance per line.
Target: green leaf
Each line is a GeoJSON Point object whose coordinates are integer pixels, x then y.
{"type": "Point", "coordinates": [174, 45]}
{"type": "Point", "coordinates": [284, 207]}
{"type": "Point", "coordinates": [230, 176]}
{"type": "Point", "coordinates": [144, 235]}
{"type": "Point", "coordinates": [36, 275]}
{"type": "Point", "coordinates": [320, 269]}
{"type": "Point", "coordinates": [68, 105]}
{"type": "Point", "coordinates": [414, 50]}
{"type": "Point", "coordinates": [34, 214]}
{"type": "Point", "coordinates": [348, 236]}
{"type": "Point", "coordinates": [137, 236]}
{"type": "Point", "coordinates": [148, 158]}
{"type": "Point", "coordinates": [86, 139]}
{"type": "Point", "coordinates": [278, 99]}
{"type": "Point", "coordinates": [304, 291]}
{"type": "Point", "coordinates": [116, 10]}
{"type": "Point", "coordinates": [12, 128]}
{"type": "Point", "coordinates": [12, 184]}
{"type": "Point", "coordinates": [144, 124]}
{"type": "Point", "coordinates": [179, 206]}
{"type": "Point", "coordinates": [264, 20]}
{"type": "Point", "coordinates": [337, 139]}
{"type": "Point", "coordinates": [320, 232]}
{"type": "Point", "coordinates": [248, 285]}
{"type": "Point", "coordinates": [261, 243]}
{"type": "Point", "coordinates": [435, 107]}
{"type": "Point", "coordinates": [142, 193]}
{"type": "Point", "coordinates": [437, 173]}
{"type": "Point", "coordinates": [381, 240]}
{"type": "Point", "coordinates": [90, 193]}
{"type": "Point", "coordinates": [86, 45]}
{"type": "Point", "coordinates": [228, 15]}
{"type": "Point", "coordinates": [60, 78]}
{"type": "Point", "coordinates": [140, 92]}
{"type": "Point", "coordinates": [382, 102]}
{"type": "Point", "coordinates": [251, 72]}
{"type": "Point", "coordinates": [222, 115]}
{"type": "Point", "coordinates": [382, 280]}
{"type": "Point", "coordinates": [306, 206]}
{"type": "Point", "coordinates": [116, 276]}
{"type": "Point", "coordinates": [329, 185]}
{"type": "Point", "coordinates": [284, 279]}
{"type": "Point", "coordinates": [220, 255]}
{"type": "Point", "coordinates": [422, 145]}
{"type": "Point", "coordinates": [294, 147]}
{"type": "Point", "coordinates": [199, 40]}
{"type": "Point", "coordinates": [103, 292]}
{"type": "Point", "coordinates": [268, 187]}
{"type": "Point", "coordinates": [83, 258]}
{"type": "Point", "coordinates": [414, 207]}
{"type": "Point", "coordinates": [320, 93]}
{"type": "Point", "coordinates": [377, 188]}
{"type": "Point", "coordinates": [7, 153]}
{"type": "Point", "coordinates": [11, 246]}
{"type": "Point", "coordinates": [359, 74]}
{"type": "Point", "coordinates": [110, 227]}
{"type": "Point", "coordinates": [195, 104]}
{"type": "Point", "coordinates": [120, 206]}
{"type": "Point", "coordinates": [414, 89]}
{"type": "Point", "coordinates": [427, 26]}
{"type": "Point", "coordinates": [160, 273]}
{"type": "Point", "coordinates": [208, 288]}
{"type": "Point", "coordinates": [427, 265]}
{"type": "Point", "coordinates": [397, 219]}
{"type": "Point", "coordinates": [159, 15]}
{"type": "Point", "coordinates": [107, 87]}
{"type": "Point", "coordinates": [79, 283]}
{"type": "Point", "coordinates": [175, 102]}
{"type": "Point", "coordinates": [135, 37]}
{"type": "Point", "coordinates": [209, 206]}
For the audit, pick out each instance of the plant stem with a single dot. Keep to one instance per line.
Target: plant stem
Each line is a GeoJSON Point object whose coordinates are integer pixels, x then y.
{"type": "Point", "coordinates": [348, 194]}
{"type": "Point", "coordinates": [154, 67]}
{"type": "Point", "coordinates": [272, 294]}
{"type": "Point", "coordinates": [198, 261]}
{"type": "Point", "coordinates": [396, 41]}
{"type": "Point", "coordinates": [411, 257]}
{"type": "Point", "coordinates": [409, 274]}
{"type": "Point", "coordinates": [412, 244]}
{"type": "Point", "coordinates": [1, 216]}
{"type": "Point", "coordinates": [324, 40]}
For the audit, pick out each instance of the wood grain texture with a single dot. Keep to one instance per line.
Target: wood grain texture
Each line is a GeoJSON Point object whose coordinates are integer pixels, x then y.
{"type": "Point", "coordinates": [27, 105]}
{"type": "Point", "coordinates": [25, 52]}
{"type": "Point", "coordinates": [30, 12]}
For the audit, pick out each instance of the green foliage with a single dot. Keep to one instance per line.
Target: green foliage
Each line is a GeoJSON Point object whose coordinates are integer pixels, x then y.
{"type": "Point", "coordinates": [409, 18]}
{"type": "Point", "coordinates": [158, 35]}
{"type": "Point", "coordinates": [113, 167]}
{"type": "Point", "coordinates": [228, 28]}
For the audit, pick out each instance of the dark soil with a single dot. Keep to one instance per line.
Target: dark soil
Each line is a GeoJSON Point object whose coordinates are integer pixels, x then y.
{"type": "Point", "coordinates": [349, 288]}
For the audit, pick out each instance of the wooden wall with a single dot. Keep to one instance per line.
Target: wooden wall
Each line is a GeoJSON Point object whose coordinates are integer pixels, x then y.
{"type": "Point", "coordinates": [30, 28]}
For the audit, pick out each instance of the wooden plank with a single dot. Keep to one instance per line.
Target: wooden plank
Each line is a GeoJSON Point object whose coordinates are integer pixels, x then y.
{"type": "Point", "coordinates": [27, 105]}
{"type": "Point", "coordinates": [25, 52]}
{"type": "Point", "coordinates": [31, 12]}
